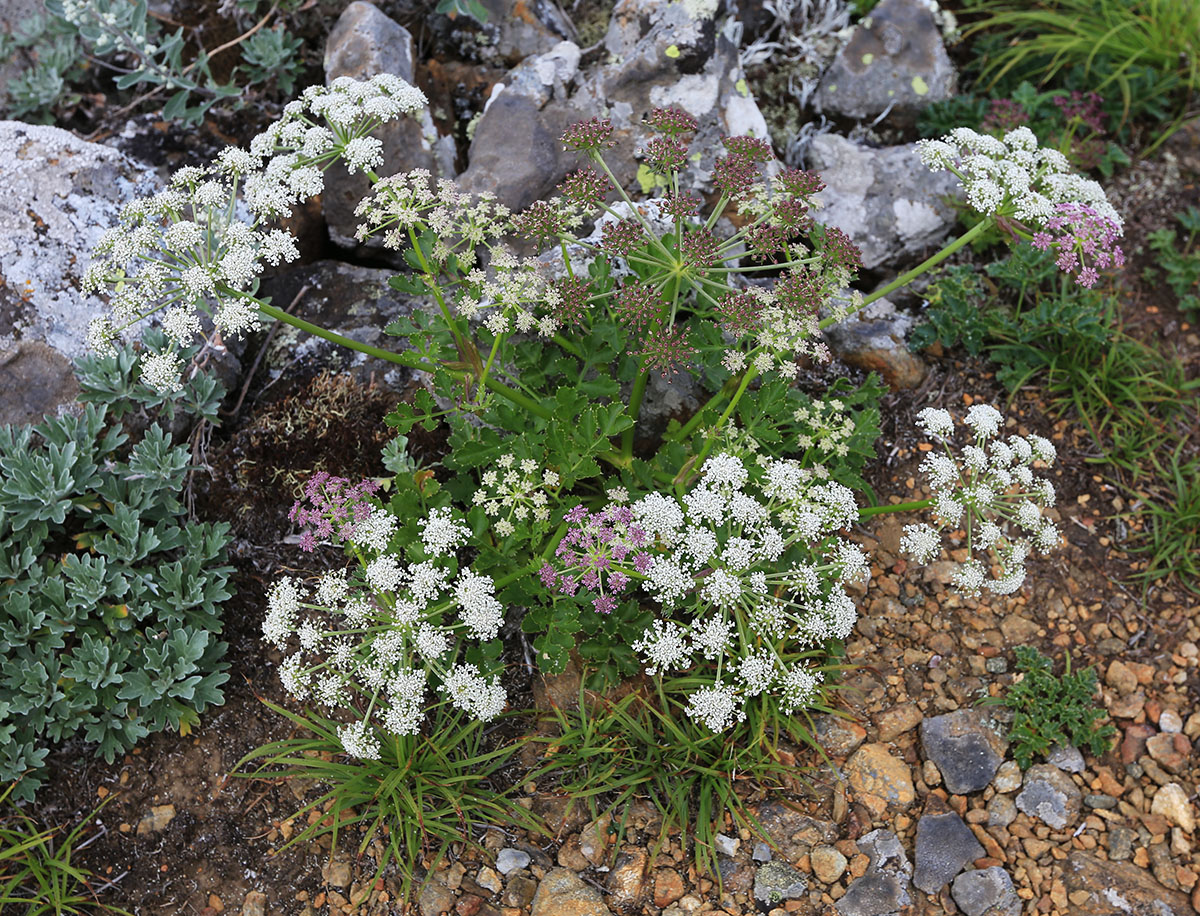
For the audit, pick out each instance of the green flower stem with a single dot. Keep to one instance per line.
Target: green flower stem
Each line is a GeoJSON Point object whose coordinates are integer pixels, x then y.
{"type": "Point", "coordinates": [635, 408]}
{"type": "Point", "coordinates": [408, 359]}
{"type": "Point", "coordinates": [897, 507]}
{"type": "Point", "coordinates": [969, 236]}
{"type": "Point", "coordinates": [747, 378]}
{"type": "Point", "coordinates": [690, 426]}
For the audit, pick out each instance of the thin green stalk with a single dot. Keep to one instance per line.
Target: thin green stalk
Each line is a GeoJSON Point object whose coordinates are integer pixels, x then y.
{"type": "Point", "coordinates": [635, 408]}
{"type": "Point", "coordinates": [913, 506]}
{"type": "Point", "coordinates": [966, 238]}
{"type": "Point", "coordinates": [412, 361]}
{"type": "Point", "coordinates": [748, 377]}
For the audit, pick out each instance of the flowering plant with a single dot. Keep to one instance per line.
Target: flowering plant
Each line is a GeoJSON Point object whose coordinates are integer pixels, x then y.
{"type": "Point", "coordinates": [709, 555]}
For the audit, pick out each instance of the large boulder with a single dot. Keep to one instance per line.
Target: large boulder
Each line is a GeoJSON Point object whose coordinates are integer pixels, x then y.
{"type": "Point", "coordinates": [523, 28]}
{"type": "Point", "coordinates": [364, 43]}
{"type": "Point", "coordinates": [58, 194]}
{"type": "Point", "coordinates": [894, 62]}
{"type": "Point", "coordinates": [884, 199]}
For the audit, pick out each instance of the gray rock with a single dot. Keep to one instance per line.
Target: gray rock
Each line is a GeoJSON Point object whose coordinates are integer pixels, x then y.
{"type": "Point", "coordinates": [792, 833]}
{"type": "Point", "coordinates": [364, 43]}
{"type": "Point", "coordinates": [875, 339]}
{"type": "Point", "coordinates": [353, 301]}
{"type": "Point", "coordinates": [510, 860]}
{"type": "Point", "coordinates": [1120, 842]}
{"type": "Point", "coordinates": [885, 851]}
{"type": "Point", "coordinates": [516, 152]}
{"type": "Point", "coordinates": [1002, 811]}
{"type": "Point", "coordinates": [945, 845]}
{"type": "Point", "coordinates": [658, 54]}
{"type": "Point", "coordinates": [895, 61]}
{"type": "Point", "coordinates": [58, 195]}
{"type": "Point", "coordinates": [986, 892]}
{"type": "Point", "coordinates": [1066, 758]}
{"type": "Point", "coordinates": [523, 28]}
{"type": "Point", "coordinates": [1119, 887]}
{"type": "Point", "coordinates": [727, 845]}
{"type": "Point", "coordinates": [1099, 800]}
{"type": "Point", "coordinates": [435, 899]}
{"type": "Point", "coordinates": [761, 854]}
{"type": "Point", "coordinates": [875, 894]}
{"type": "Point", "coordinates": [966, 750]}
{"type": "Point", "coordinates": [884, 199]}
{"type": "Point", "coordinates": [35, 380]}
{"type": "Point", "coordinates": [562, 893]}
{"type": "Point", "coordinates": [1050, 795]}
{"type": "Point", "coordinates": [778, 881]}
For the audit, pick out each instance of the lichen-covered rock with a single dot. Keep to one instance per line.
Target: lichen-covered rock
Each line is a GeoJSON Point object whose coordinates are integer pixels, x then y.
{"type": "Point", "coordinates": [1049, 795]}
{"type": "Point", "coordinates": [659, 54]}
{"type": "Point", "coordinates": [516, 152]}
{"type": "Point", "coordinates": [895, 61]}
{"type": "Point", "coordinates": [986, 892]}
{"type": "Point", "coordinates": [884, 199]}
{"type": "Point", "coordinates": [364, 43]}
{"type": "Point", "coordinates": [58, 195]}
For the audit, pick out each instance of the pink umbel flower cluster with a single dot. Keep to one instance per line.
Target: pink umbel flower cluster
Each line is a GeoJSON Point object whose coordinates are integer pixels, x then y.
{"type": "Point", "coordinates": [600, 552]}
{"type": "Point", "coordinates": [335, 508]}
{"type": "Point", "coordinates": [1084, 240]}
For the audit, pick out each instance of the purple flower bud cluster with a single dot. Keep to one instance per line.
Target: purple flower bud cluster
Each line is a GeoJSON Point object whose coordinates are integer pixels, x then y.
{"type": "Point", "coordinates": [586, 187]}
{"type": "Point", "coordinates": [335, 508]}
{"type": "Point", "coordinates": [667, 350]}
{"type": "Point", "coordinates": [598, 553]}
{"type": "Point", "coordinates": [671, 121]}
{"type": "Point", "coordinates": [1084, 241]}
{"type": "Point", "coordinates": [572, 305]}
{"type": "Point", "coordinates": [636, 306]}
{"type": "Point", "coordinates": [665, 155]}
{"type": "Point", "coordinates": [1004, 115]}
{"type": "Point", "coordinates": [739, 312]}
{"type": "Point", "coordinates": [589, 136]}
{"type": "Point", "coordinates": [621, 237]}
{"type": "Point", "coordinates": [1085, 107]}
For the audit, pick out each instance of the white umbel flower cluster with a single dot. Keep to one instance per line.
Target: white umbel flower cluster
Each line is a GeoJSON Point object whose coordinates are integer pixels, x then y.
{"type": "Point", "coordinates": [197, 247]}
{"type": "Point", "coordinates": [749, 568]}
{"type": "Point", "coordinates": [1013, 176]}
{"type": "Point", "coordinates": [989, 490]}
{"type": "Point", "coordinates": [516, 492]}
{"type": "Point", "coordinates": [375, 640]}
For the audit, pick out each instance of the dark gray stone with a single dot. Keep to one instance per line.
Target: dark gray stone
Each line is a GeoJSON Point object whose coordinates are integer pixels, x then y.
{"type": "Point", "coordinates": [884, 199]}
{"type": "Point", "coordinates": [778, 881]}
{"type": "Point", "coordinates": [364, 43]}
{"type": "Point", "coordinates": [875, 894]}
{"type": "Point", "coordinates": [965, 749]}
{"type": "Point", "coordinates": [945, 845]}
{"type": "Point", "coordinates": [353, 301]}
{"type": "Point", "coordinates": [523, 28]}
{"type": "Point", "coordinates": [986, 892]}
{"type": "Point", "coordinates": [895, 61]}
{"type": "Point", "coordinates": [1050, 795]}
